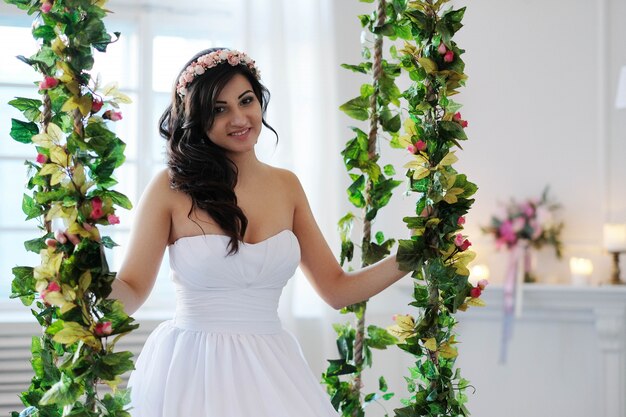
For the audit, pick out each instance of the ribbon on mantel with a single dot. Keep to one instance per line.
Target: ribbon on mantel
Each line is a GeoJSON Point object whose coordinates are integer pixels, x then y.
{"type": "Point", "coordinates": [519, 260]}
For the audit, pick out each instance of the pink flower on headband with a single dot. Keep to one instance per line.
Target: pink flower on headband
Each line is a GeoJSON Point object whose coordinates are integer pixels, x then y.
{"type": "Point", "coordinates": [213, 59]}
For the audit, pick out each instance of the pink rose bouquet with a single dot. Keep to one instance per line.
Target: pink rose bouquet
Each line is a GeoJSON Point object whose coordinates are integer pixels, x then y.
{"type": "Point", "coordinates": [531, 222]}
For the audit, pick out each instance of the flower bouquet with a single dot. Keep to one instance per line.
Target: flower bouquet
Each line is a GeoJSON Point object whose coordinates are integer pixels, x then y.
{"type": "Point", "coordinates": [530, 223]}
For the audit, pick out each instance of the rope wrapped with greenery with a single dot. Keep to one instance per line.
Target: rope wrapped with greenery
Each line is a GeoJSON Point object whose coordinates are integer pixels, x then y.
{"type": "Point", "coordinates": [438, 253]}
{"type": "Point", "coordinates": [371, 190]}
{"type": "Point", "coordinates": [71, 180]}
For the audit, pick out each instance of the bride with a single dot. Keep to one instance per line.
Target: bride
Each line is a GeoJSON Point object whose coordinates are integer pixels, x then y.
{"type": "Point", "coordinates": [236, 229]}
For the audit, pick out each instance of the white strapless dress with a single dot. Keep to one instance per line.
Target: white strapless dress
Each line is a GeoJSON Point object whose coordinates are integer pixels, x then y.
{"type": "Point", "coordinates": [225, 353]}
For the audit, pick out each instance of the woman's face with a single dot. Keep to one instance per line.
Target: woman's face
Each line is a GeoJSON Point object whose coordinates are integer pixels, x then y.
{"type": "Point", "coordinates": [238, 117]}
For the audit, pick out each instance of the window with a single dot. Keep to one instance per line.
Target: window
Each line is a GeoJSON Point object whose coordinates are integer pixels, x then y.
{"type": "Point", "coordinates": [145, 62]}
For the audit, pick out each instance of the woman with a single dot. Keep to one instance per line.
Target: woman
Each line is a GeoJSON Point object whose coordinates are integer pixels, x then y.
{"type": "Point", "coordinates": [236, 229]}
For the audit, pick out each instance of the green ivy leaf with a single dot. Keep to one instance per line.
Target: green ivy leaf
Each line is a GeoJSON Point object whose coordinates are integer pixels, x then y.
{"type": "Point", "coordinates": [355, 192]}
{"type": "Point", "coordinates": [119, 199]}
{"type": "Point", "coordinates": [44, 32]}
{"type": "Point", "coordinates": [31, 208]}
{"type": "Point", "coordinates": [45, 56]}
{"type": "Point", "coordinates": [389, 170]}
{"type": "Point", "coordinates": [66, 391]}
{"type": "Point", "coordinates": [363, 67]}
{"type": "Point", "coordinates": [108, 243]}
{"type": "Point", "coordinates": [23, 284]}
{"type": "Point", "coordinates": [37, 244]}
{"type": "Point", "coordinates": [110, 365]}
{"type": "Point", "coordinates": [28, 106]}
{"type": "Point", "coordinates": [410, 254]}
{"type": "Point", "coordinates": [373, 252]}
{"type": "Point", "coordinates": [379, 338]}
{"type": "Point", "coordinates": [357, 108]}
{"type": "Point", "coordinates": [338, 367]}
{"type": "Point", "coordinates": [23, 131]}
{"type": "Point", "coordinates": [452, 130]}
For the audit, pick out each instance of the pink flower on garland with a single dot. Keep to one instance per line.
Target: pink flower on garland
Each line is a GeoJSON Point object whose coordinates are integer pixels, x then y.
{"type": "Point", "coordinates": [420, 145]}
{"type": "Point", "coordinates": [482, 284]}
{"type": "Point", "coordinates": [448, 57]}
{"type": "Point", "coordinates": [96, 208]}
{"type": "Point", "coordinates": [41, 158]}
{"type": "Point", "coordinates": [442, 49]}
{"type": "Point", "coordinates": [113, 116]}
{"type": "Point", "coordinates": [113, 219]}
{"type": "Point", "coordinates": [458, 118]}
{"type": "Point", "coordinates": [96, 104]}
{"type": "Point", "coordinates": [462, 243]}
{"type": "Point", "coordinates": [96, 213]}
{"type": "Point", "coordinates": [48, 82]}
{"type": "Point", "coordinates": [45, 7]}
{"type": "Point", "coordinates": [412, 149]}
{"type": "Point", "coordinates": [52, 287]}
{"type": "Point", "coordinates": [460, 221]}
{"type": "Point", "coordinates": [103, 328]}
{"type": "Point", "coordinates": [475, 292]}
{"type": "Point", "coordinates": [96, 202]}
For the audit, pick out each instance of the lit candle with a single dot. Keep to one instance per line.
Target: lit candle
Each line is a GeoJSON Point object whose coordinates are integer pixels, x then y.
{"type": "Point", "coordinates": [477, 273]}
{"type": "Point", "coordinates": [615, 237]}
{"type": "Point", "coordinates": [581, 270]}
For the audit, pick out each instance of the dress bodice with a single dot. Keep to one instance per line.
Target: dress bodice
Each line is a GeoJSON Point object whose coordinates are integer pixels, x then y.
{"type": "Point", "coordinates": [231, 293]}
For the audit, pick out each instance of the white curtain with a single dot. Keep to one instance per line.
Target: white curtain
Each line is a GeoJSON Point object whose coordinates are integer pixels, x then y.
{"type": "Point", "coordinates": [292, 42]}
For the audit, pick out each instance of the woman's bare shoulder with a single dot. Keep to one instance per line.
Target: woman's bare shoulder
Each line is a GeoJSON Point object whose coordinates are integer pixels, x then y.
{"type": "Point", "coordinates": [288, 179]}
{"type": "Point", "coordinates": [160, 189]}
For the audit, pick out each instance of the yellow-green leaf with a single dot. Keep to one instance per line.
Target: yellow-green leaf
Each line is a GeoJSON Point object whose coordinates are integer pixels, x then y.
{"type": "Point", "coordinates": [49, 169]}
{"type": "Point", "coordinates": [476, 302]}
{"type": "Point", "coordinates": [65, 73]}
{"type": "Point", "coordinates": [57, 46]}
{"type": "Point", "coordinates": [84, 105]}
{"type": "Point", "coordinates": [74, 87]}
{"type": "Point", "coordinates": [67, 307]}
{"type": "Point", "coordinates": [55, 298]}
{"type": "Point", "coordinates": [447, 351]}
{"type": "Point", "coordinates": [72, 332]}
{"type": "Point", "coordinates": [405, 321]}
{"type": "Point", "coordinates": [405, 140]}
{"type": "Point", "coordinates": [84, 281]}
{"type": "Point", "coordinates": [43, 140]}
{"type": "Point", "coordinates": [450, 198]}
{"type": "Point", "coordinates": [113, 384]}
{"type": "Point", "coordinates": [431, 344]}
{"type": "Point", "coordinates": [420, 172]}
{"type": "Point", "coordinates": [70, 104]}
{"type": "Point", "coordinates": [399, 333]}
{"type": "Point", "coordinates": [59, 156]}
{"type": "Point", "coordinates": [55, 133]}
{"type": "Point", "coordinates": [57, 177]}
{"type": "Point", "coordinates": [449, 159]}
{"type": "Point", "coordinates": [428, 64]}
{"type": "Point", "coordinates": [122, 98]}
{"type": "Point", "coordinates": [110, 89]}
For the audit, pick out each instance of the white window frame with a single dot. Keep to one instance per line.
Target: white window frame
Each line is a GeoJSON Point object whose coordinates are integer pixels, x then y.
{"type": "Point", "coordinates": [150, 19]}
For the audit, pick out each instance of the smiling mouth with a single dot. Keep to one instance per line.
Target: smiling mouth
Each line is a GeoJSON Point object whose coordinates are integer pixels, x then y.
{"type": "Point", "coordinates": [240, 132]}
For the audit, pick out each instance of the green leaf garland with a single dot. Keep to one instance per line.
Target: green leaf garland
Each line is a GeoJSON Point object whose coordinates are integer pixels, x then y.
{"type": "Point", "coordinates": [77, 154]}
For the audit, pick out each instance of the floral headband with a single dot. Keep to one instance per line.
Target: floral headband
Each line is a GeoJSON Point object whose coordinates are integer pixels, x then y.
{"type": "Point", "coordinates": [213, 59]}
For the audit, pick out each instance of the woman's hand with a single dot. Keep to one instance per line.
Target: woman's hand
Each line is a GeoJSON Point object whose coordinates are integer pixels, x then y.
{"type": "Point", "coordinates": [62, 236]}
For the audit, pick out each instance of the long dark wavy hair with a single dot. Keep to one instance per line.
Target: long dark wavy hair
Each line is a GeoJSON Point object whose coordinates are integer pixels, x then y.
{"type": "Point", "coordinates": [198, 167]}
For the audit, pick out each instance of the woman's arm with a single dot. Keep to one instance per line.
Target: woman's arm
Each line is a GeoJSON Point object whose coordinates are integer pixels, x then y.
{"type": "Point", "coordinates": [148, 240]}
{"type": "Point", "coordinates": [337, 287]}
